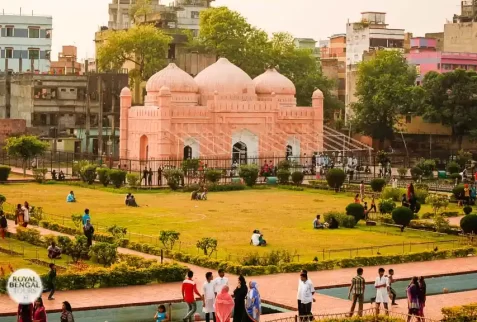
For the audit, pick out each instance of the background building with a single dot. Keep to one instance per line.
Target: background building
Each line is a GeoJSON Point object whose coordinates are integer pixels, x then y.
{"type": "Point", "coordinates": [333, 62]}
{"type": "Point", "coordinates": [25, 43]}
{"type": "Point", "coordinates": [67, 62]}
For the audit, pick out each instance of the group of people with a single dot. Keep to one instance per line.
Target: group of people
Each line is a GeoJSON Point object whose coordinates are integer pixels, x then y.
{"type": "Point", "coordinates": [60, 176]}
{"type": "Point", "coordinates": [88, 228]}
{"type": "Point", "coordinates": [200, 194]}
{"type": "Point", "coordinates": [36, 312]}
{"type": "Point", "coordinates": [22, 214]}
{"type": "Point", "coordinates": [409, 199]}
{"type": "Point", "coordinates": [218, 304]}
{"type": "Point", "coordinates": [468, 196]}
{"type": "Point", "coordinates": [130, 200]}
{"type": "Point", "coordinates": [415, 292]}
{"type": "Point", "coordinates": [257, 239]}
{"type": "Point", "coordinates": [147, 176]}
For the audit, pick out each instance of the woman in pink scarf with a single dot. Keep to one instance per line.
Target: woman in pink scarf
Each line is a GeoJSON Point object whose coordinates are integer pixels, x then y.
{"type": "Point", "coordinates": [224, 305]}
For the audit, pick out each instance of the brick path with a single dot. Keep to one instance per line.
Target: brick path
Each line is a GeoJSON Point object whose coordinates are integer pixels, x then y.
{"type": "Point", "coordinates": [278, 289]}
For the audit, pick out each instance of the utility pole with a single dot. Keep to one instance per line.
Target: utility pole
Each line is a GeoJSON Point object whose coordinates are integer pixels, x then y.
{"type": "Point", "coordinates": [88, 107]}
{"type": "Point", "coordinates": [8, 85]}
{"type": "Point", "coordinates": [100, 116]}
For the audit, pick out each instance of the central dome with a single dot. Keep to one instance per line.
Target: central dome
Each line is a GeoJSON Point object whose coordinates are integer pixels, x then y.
{"type": "Point", "coordinates": [174, 78]}
{"type": "Point", "coordinates": [273, 82]}
{"type": "Point", "coordinates": [225, 78]}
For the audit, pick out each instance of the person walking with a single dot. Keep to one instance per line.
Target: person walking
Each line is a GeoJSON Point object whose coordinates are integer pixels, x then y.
{"type": "Point", "coordinates": [208, 297]}
{"type": "Point", "coordinates": [392, 292]}
{"type": "Point", "coordinates": [39, 312]}
{"type": "Point", "coordinates": [85, 217]}
{"type": "Point", "coordinates": [19, 216]}
{"type": "Point", "coordinates": [3, 224]}
{"type": "Point", "coordinates": [145, 175]}
{"type": "Point", "coordinates": [51, 282]}
{"type": "Point", "coordinates": [220, 282]}
{"type": "Point", "coordinates": [382, 289]}
{"type": "Point", "coordinates": [306, 291]}
{"type": "Point", "coordinates": [422, 295]}
{"type": "Point", "coordinates": [66, 313]}
{"type": "Point", "coordinates": [413, 298]}
{"type": "Point", "coordinates": [240, 293]}
{"type": "Point", "coordinates": [26, 214]}
{"type": "Point", "coordinates": [357, 288]}
{"type": "Point", "coordinates": [224, 304]}
{"type": "Point", "coordinates": [254, 303]}
{"type": "Point", "coordinates": [149, 177]}
{"type": "Point", "coordinates": [189, 288]}
{"type": "Point", "coordinates": [89, 232]}
{"type": "Point", "coordinates": [298, 295]}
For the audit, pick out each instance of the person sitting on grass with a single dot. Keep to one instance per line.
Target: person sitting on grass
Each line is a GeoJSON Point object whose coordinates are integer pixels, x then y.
{"type": "Point", "coordinates": [333, 223]}
{"type": "Point", "coordinates": [71, 197]}
{"type": "Point", "coordinates": [132, 202]}
{"type": "Point", "coordinates": [128, 197]}
{"type": "Point", "coordinates": [257, 239]}
{"type": "Point", "coordinates": [203, 194]}
{"type": "Point", "coordinates": [317, 224]}
{"type": "Point", "coordinates": [194, 194]}
{"type": "Point", "coordinates": [54, 252]}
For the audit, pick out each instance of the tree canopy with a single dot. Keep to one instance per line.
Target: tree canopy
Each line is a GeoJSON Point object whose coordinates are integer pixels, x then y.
{"type": "Point", "coordinates": [228, 34]}
{"type": "Point", "coordinates": [451, 99]}
{"type": "Point", "coordinates": [25, 147]}
{"type": "Point", "coordinates": [385, 90]}
{"type": "Point", "coordinates": [140, 9]}
{"type": "Point", "coordinates": [144, 45]}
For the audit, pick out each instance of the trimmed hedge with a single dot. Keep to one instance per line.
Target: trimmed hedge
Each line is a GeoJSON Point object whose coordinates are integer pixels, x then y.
{"type": "Point", "coordinates": [335, 178]}
{"type": "Point", "coordinates": [356, 210]}
{"type": "Point", "coordinates": [462, 313]}
{"type": "Point", "coordinates": [468, 223]}
{"type": "Point", "coordinates": [378, 184]}
{"type": "Point", "coordinates": [430, 226]}
{"type": "Point", "coordinates": [215, 187]}
{"type": "Point", "coordinates": [4, 172]}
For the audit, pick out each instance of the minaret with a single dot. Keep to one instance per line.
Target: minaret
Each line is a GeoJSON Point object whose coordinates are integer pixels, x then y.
{"type": "Point", "coordinates": [317, 104]}
{"type": "Point", "coordinates": [164, 104]}
{"type": "Point", "coordinates": [125, 104]}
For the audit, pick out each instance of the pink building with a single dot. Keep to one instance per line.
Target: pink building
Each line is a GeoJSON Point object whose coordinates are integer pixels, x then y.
{"type": "Point", "coordinates": [424, 56]}
{"type": "Point", "coordinates": [220, 113]}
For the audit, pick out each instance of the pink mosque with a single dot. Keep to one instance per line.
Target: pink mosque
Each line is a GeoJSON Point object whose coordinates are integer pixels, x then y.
{"type": "Point", "coordinates": [221, 113]}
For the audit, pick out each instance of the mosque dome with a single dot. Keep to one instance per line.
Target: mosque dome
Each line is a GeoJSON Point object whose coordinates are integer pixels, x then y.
{"type": "Point", "coordinates": [173, 78]}
{"type": "Point", "coordinates": [273, 82]}
{"type": "Point", "coordinates": [318, 94]}
{"type": "Point", "coordinates": [224, 77]}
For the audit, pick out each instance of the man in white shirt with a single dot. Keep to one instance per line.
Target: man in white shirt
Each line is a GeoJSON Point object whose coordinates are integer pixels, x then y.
{"type": "Point", "coordinates": [208, 297]}
{"type": "Point", "coordinates": [382, 289]}
{"type": "Point", "coordinates": [220, 282]}
{"type": "Point", "coordinates": [306, 290]}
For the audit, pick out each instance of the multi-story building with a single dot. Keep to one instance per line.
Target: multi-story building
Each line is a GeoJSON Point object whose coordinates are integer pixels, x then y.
{"type": "Point", "coordinates": [25, 43]}
{"type": "Point", "coordinates": [308, 43]}
{"type": "Point", "coordinates": [459, 36]}
{"type": "Point", "coordinates": [119, 12]}
{"type": "Point", "coordinates": [88, 65]}
{"type": "Point", "coordinates": [368, 35]}
{"type": "Point", "coordinates": [67, 63]}
{"type": "Point", "coordinates": [334, 56]}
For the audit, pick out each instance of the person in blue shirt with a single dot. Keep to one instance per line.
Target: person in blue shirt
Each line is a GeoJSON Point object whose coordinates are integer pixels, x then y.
{"type": "Point", "coordinates": [161, 315]}
{"type": "Point", "coordinates": [71, 197]}
{"type": "Point", "coordinates": [86, 216]}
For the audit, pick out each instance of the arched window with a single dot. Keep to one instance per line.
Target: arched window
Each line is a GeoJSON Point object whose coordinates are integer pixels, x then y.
{"type": "Point", "coordinates": [143, 148]}
{"type": "Point", "coordinates": [289, 152]}
{"type": "Point", "coordinates": [239, 153]}
{"type": "Point", "coordinates": [187, 152]}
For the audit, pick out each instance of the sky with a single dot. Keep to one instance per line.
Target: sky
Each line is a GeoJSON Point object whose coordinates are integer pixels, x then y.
{"type": "Point", "coordinates": [75, 22]}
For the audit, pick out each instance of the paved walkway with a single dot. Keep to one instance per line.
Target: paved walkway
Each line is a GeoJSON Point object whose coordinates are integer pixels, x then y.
{"type": "Point", "coordinates": [278, 289]}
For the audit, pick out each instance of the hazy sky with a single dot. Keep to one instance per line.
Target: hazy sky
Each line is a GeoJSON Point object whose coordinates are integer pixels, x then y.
{"type": "Point", "coordinates": [74, 22]}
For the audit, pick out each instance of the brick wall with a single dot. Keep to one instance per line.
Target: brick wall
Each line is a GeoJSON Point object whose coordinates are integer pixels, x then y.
{"type": "Point", "coordinates": [11, 126]}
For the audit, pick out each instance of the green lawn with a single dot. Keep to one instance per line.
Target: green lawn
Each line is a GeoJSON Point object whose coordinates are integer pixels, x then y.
{"type": "Point", "coordinates": [285, 218]}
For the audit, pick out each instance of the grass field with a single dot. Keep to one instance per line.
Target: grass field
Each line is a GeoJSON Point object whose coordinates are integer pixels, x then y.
{"type": "Point", "coordinates": [284, 217]}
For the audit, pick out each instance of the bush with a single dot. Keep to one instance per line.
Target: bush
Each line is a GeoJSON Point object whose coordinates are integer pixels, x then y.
{"type": "Point", "coordinates": [437, 202]}
{"type": "Point", "coordinates": [133, 180]}
{"type": "Point", "coordinates": [2, 200]}
{"type": "Point", "coordinates": [402, 216]}
{"type": "Point", "coordinates": [118, 177]}
{"type": "Point", "coordinates": [386, 206]}
{"type": "Point", "coordinates": [378, 184]}
{"type": "Point", "coordinates": [274, 257]}
{"type": "Point", "coordinates": [343, 219]}
{"type": "Point", "coordinates": [421, 195]}
{"type": "Point", "coordinates": [29, 235]}
{"type": "Point", "coordinates": [213, 176]}
{"type": "Point", "coordinates": [455, 176]}
{"type": "Point", "coordinates": [249, 174]}
{"type": "Point", "coordinates": [469, 224]}
{"type": "Point", "coordinates": [402, 172]}
{"type": "Point", "coordinates": [462, 313]}
{"type": "Point", "coordinates": [386, 219]}
{"type": "Point", "coordinates": [416, 173]}
{"type": "Point", "coordinates": [453, 167]}
{"type": "Point", "coordinates": [174, 178]}
{"type": "Point", "coordinates": [103, 176]}
{"type": "Point", "coordinates": [427, 166]}
{"type": "Point", "coordinates": [283, 176]}
{"type": "Point", "coordinates": [284, 165]}
{"type": "Point", "coordinates": [4, 172]}
{"type": "Point", "coordinates": [356, 210]}
{"type": "Point", "coordinates": [467, 209]}
{"type": "Point", "coordinates": [441, 223]}
{"type": "Point", "coordinates": [421, 186]}
{"type": "Point", "coordinates": [104, 253]}
{"type": "Point", "coordinates": [39, 174]}
{"type": "Point", "coordinates": [458, 191]}
{"type": "Point", "coordinates": [393, 193]}
{"type": "Point", "coordinates": [335, 178]}
{"type": "Point", "coordinates": [88, 173]}
{"type": "Point", "coordinates": [297, 177]}
{"type": "Point", "coordinates": [168, 238]}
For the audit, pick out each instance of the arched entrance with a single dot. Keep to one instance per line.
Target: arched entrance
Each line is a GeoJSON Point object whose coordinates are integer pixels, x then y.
{"type": "Point", "coordinates": [289, 152]}
{"type": "Point", "coordinates": [143, 148]}
{"type": "Point", "coordinates": [187, 152]}
{"type": "Point", "coordinates": [239, 153]}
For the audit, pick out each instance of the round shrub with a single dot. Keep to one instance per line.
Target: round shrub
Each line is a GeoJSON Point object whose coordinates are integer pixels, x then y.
{"type": "Point", "coordinates": [283, 176]}
{"type": "Point", "coordinates": [402, 172]}
{"type": "Point", "coordinates": [378, 184]}
{"type": "Point", "coordinates": [103, 176]}
{"type": "Point", "coordinates": [347, 221]}
{"type": "Point", "coordinates": [468, 224]}
{"type": "Point", "coordinates": [393, 193]}
{"type": "Point", "coordinates": [4, 172]}
{"type": "Point", "coordinates": [249, 174]}
{"type": "Point", "coordinates": [174, 178]}
{"type": "Point", "coordinates": [457, 176]}
{"type": "Point", "coordinates": [213, 176]}
{"type": "Point", "coordinates": [453, 167]}
{"type": "Point", "coordinates": [335, 178]}
{"type": "Point", "coordinates": [416, 172]}
{"type": "Point", "coordinates": [356, 210]}
{"type": "Point", "coordinates": [118, 177]}
{"type": "Point", "coordinates": [386, 206]}
{"type": "Point", "coordinates": [402, 216]}
{"type": "Point", "coordinates": [297, 177]}
{"type": "Point", "coordinates": [467, 209]}
{"type": "Point", "coordinates": [458, 191]}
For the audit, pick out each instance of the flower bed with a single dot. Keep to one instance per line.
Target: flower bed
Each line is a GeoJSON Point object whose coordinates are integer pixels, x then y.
{"type": "Point", "coordinates": [460, 313]}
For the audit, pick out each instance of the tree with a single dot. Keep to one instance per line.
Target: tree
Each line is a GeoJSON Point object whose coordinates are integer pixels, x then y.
{"type": "Point", "coordinates": [25, 147]}
{"type": "Point", "coordinates": [168, 238]}
{"type": "Point", "coordinates": [437, 202]}
{"type": "Point", "coordinates": [451, 99]}
{"type": "Point", "coordinates": [385, 90]}
{"type": "Point", "coordinates": [104, 253]}
{"type": "Point", "coordinates": [207, 245]}
{"type": "Point", "coordinates": [140, 9]}
{"type": "Point", "coordinates": [144, 45]}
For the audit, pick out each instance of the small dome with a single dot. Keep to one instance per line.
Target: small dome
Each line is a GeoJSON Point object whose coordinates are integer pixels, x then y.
{"type": "Point", "coordinates": [173, 77]}
{"type": "Point", "coordinates": [273, 82]}
{"type": "Point", "coordinates": [125, 92]}
{"type": "Point", "coordinates": [318, 94]}
{"type": "Point", "coordinates": [164, 91]}
{"type": "Point", "coordinates": [224, 77]}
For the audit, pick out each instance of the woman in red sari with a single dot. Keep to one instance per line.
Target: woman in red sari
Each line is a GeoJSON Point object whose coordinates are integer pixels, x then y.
{"type": "Point", "coordinates": [224, 305]}
{"type": "Point", "coordinates": [25, 313]}
{"type": "Point", "coordinates": [39, 313]}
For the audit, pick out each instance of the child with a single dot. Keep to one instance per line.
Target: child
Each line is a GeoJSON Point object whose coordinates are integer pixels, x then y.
{"type": "Point", "coordinates": [161, 314]}
{"type": "Point", "coordinates": [392, 292]}
{"type": "Point", "coordinates": [356, 198]}
{"type": "Point", "coordinates": [3, 224]}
